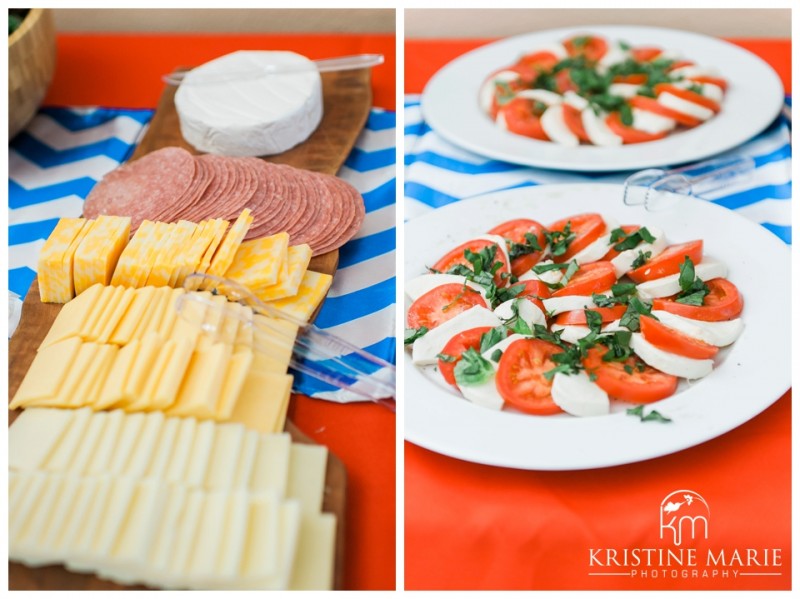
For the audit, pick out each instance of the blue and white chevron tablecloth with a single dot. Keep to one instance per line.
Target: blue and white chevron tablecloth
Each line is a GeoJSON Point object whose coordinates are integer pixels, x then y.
{"type": "Point", "coordinates": [55, 163]}
{"type": "Point", "coordinates": [438, 173]}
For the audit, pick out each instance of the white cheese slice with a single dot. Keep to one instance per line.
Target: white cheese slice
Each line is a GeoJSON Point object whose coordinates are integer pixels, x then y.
{"type": "Point", "coordinates": [685, 106]}
{"type": "Point", "coordinates": [34, 434]}
{"type": "Point", "coordinates": [577, 395]}
{"type": "Point", "coordinates": [599, 247]}
{"type": "Point", "coordinates": [623, 262]}
{"type": "Point", "coordinates": [709, 90]}
{"type": "Point", "coordinates": [614, 55]}
{"type": "Point", "coordinates": [597, 130]}
{"type": "Point", "coordinates": [688, 368]}
{"type": "Point", "coordinates": [694, 71]}
{"type": "Point", "coordinates": [487, 91]}
{"type": "Point", "coordinates": [528, 311]}
{"type": "Point", "coordinates": [624, 90]}
{"type": "Point", "coordinates": [566, 303]}
{"type": "Point", "coordinates": [429, 345]}
{"type": "Point", "coordinates": [665, 286]}
{"type": "Point", "coordinates": [541, 95]}
{"type": "Point", "coordinates": [716, 333]}
{"type": "Point", "coordinates": [555, 127]}
{"type": "Point", "coordinates": [550, 276]}
{"type": "Point", "coordinates": [571, 333]}
{"type": "Point", "coordinates": [419, 286]}
{"type": "Point", "coordinates": [228, 107]}
{"type": "Point", "coordinates": [650, 122]}
{"type": "Point", "coordinates": [575, 100]}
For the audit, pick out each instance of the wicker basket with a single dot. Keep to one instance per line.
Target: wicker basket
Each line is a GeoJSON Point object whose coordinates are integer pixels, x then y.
{"type": "Point", "coordinates": [31, 62]}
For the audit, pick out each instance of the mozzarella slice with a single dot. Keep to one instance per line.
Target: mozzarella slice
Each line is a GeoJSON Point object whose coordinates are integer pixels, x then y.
{"type": "Point", "coordinates": [599, 247]}
{"type": "Point", "coordinates": [499, 242]}
{"type": "Point", "coordinates": [575, 100]}
{"type": "Point", "coordinates": [221, 113]}
{"type": "Point", "coordinates": [541, 95]}
{"type": "Point", "coordinates": [579, 396]}
{"type": "Point", "coordinates": [614, 55]}
{"type": "Point", "coordinates": [487, 91]}
{"type": "Point", "coordinates": [597, 130]}
{"type": "Point", "coordinates": [432, 343]}
{"type": "Point", "coordinates": [555, 127]}
{"type": "Point", "coordinates": [550, 276]}
{"type": "Point", "coordinates": [486, 394]}
{"type": "Point", "coordinates": [624, 90]}
{"type": "Point", "coordinates": [422, 284]}
{"type": "Point", "coordinates": [709, 90]}
{"type": "Point", "coordinates": [651, 122]}
{"type": "Point", "coordinates": [694, 71]}
{"type": "Point", "coordinates": [685, 106]}
{"type": "Point", "coordinates": [571, 333]}
{"type": "Point", "coordinates": [669, 285]}
{"type": "Point", "coordinates": [688, 368]}
{"type": "Point", "coordinates": [557, 305]}
{"type": "Point", "coordinates": [623, 262]}
{"type": "Point", "coordinates": [612, 326]}
{"type": "Point", "coordinates": [528, 311]}
{"type": "Point", "coordinates": [716, 333]}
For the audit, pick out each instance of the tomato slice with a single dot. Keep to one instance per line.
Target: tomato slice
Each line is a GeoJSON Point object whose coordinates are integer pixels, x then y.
{"type": "Point", "coordinates": [574, 122]}
{"type": "Point", "coordinates": [676, 342]}
{"type": "Point", "coordinates": [634, 78]}
{"type": "Point", "coordinates": [456, 256]}
{"type": "Point", "coordinates": [668, 262]}
{"type": "Point", "coordinates": [678, 64]}
{"type": "Point", "coordinates": [687, 95]}
{"type": "Point", "coordinates": [521, 119]}
{"type": "Point", "coordinates": [645, 53]}
{"type": "Point", "coordinates": [442, 303]}
{"type": "Point", "coordinates": [535, 288]}
{"type": "Point", "coordinates": [612, 253]}
{"type": "Point", "coordinates": [471, 338]}
{"type": "Point", "coordinates": [724, 302]}
{"type": "Point", "coordinates": [718, 81]}
{"type": "Point", "coordinates": [630, 135]}
{"type": "Point", "coordinates": [587, 228]}
{"type": "Point", "coordinates": [643, 384]}
{"type": "Point", "coordinates": [520, 376]}
{"type": "Point", "coordinates": [578, 317]}
{"type": "Point", "coordinates": [590, 278]}
{"type": "Point", "coordinates": [539, 61]}
{"type": "Point", "coordinates": [514, 231]}
{"type": "Point", "coordinates": [653, 105]}
{"type": "Point", "coordinates": [590, 46]}
{"type": "Point", "coordinates": [564, 82]}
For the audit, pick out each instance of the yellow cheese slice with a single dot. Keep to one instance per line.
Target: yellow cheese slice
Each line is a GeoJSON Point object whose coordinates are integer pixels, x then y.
{"type": "Point", "coordinates": [105, 331]}
{"type": "Point", "coordinates": [68, 259]}
{"type": "Point", "coordinates": [190, 318]}
{"type": "Point", "coordinates": [307, 464]}
{"type": "Point", "coordinates": [55, 285]}
{"type": "Point", "coordinates": [261, 401]}
{"type": "Point", "coordinates": [224, 256]}
{"type": "Point", "coordinates": [113, 391]}
{"type": "Point", "coordinates": [259, 262]}
{"type": "Point", "coordinates": [159, 268]}
{"type": "Point", "coordinates": [298, 259]}
{"type": "Point", "coordinates": [170, 314]}
{"type": "Point", "coordinates": [238, 369]}
{"type": "Point", "coordinates": [188, 259]}
{"type": "Point", "coordinates": [310, 294]}
{"type": "Point", "coordinates": [129, 260]}
{"type": "Point", "coordinates": [72, 318]}
{"type": "Point", "coordinates": [46, 374]}
{"type": "Point", "coordinates": [91, 387]}
{"type": "Point", "coordinates": [166, 392]}
{"type": "Point", "coordinates": [105, 314]}
{"type": "Point", "coordinates": [155, 243]}
{"type": "Point", "coordinates": [82, 369]}
{"type": "Point", "coordinates": [177, 243]}
{"type": "Point", "coordinates": [217, 232]}
{"type": "Point", "coordinates": [273, 341]}
{"type": "Point", "coordinates": [316, 548]}
{"type": "Point", "coordinates": [97, 310]}
{"type": "Point", "coordinates": [141, 303]}
{"type": "Point", "coordinates": [201, 386]}
{"type": "Point", "coordinates": [97, 255]}
{"type": "Point", "coordinates": [142, 368]}
{"type": "Point", "coordinates": [151, 319]}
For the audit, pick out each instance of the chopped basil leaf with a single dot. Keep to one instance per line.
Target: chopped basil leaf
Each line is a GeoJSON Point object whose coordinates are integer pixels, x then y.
{"type": "Point", "coordinates": [692, 299]}
{"type": "Point", "coordinates": [592, 376]}
{"type": "Point", "coordinates": [698, 89]}
{"type": "Point", "coordinates": [628, 368]}
{"type": "Point", "coordinates": [652, 415]}
{"type": "Point", "coordinates": [580, 42]}
{"type": "Point", "coordinates": [694, 289]}
{"type": "Point", "coordinates": [496, 355]}
{"type": "Point", "coordinates": [641, 259]}
{"type": "Point", "coordinates": [491, 338]}
{"type": "Point", "coordinates": [626, 114]}
{"type": "Point", "coordinates": [531, 245]}
{"type": "Point", "coordinates": [541, 332]}
{"type": "Point", "coordinates": [620, 289]}
{"type": "Point", "coordinates": [571, 270]}
{"type": "Point", "coordinates": [446, 358]}
{"type": "Point", "coordinates": [636, 308]}
{"type": "Point", "coordinates": [503, 294]}
{"type": "Point", "coordinates": [624, 45]}
{"type": "Point", "coordinates": [472, 369]}
{"type": "Point", "coordinates": [542, 268]}
{"type": "Point", "coordinates": [631, 240]}
{"type": "Point", "coordinates": [559, 240]}
{"type": "Point", "coordinates": [686, 277]}
{"type": "Point", "coordinates": [414, 334]}
{"type": "Point", "coordinates": [521, 327]}
{"type": "Point", "coordinates": [593, 320]}
{"type": "Point", "coordinates": [646, 235]}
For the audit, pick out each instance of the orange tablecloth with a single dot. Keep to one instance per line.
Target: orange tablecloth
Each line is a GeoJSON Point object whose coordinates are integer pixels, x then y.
{"type": "Point", "coordinates": [125, 71]}
{"type": "Point", "coordinates": [469, 526]}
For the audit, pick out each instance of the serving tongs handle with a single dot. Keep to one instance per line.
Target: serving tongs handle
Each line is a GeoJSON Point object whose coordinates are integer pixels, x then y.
{"type": "Point", "coordinates": [314, 352]}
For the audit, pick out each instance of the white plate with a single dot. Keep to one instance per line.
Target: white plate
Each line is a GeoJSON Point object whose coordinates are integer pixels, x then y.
{"type": "Point", "coordinates": [752, 375]}
{"type": "Point", "coordinates": [753, 100]}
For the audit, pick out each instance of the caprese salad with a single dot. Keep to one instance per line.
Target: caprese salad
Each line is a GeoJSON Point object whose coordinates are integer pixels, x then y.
{"type": "Point", "coordinates": [567, 317]}
{"type": "Point", "coordinates": [606, 93]}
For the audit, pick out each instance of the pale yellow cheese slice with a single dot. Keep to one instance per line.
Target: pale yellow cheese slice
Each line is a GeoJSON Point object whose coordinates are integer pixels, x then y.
{"type": "Point", "coordinates": [148, 446]}
{"type": "Point", "coordinates": [307, 464]}
{"type": "Point", "coordinates": [55, 282]}
{"type": "Point", "coordinates": [141, 304]}
{"type": "Point", "coordinates": [46, 374]}
{"type": "Point", "coordinates": [310, 294]}
{"type": "Point", "coordinates": [82, 369]}
{"type": "Point", "coordinates": [104, 315]}
{"type": "Point", "coordinates": [298, 259]}
{"type": "Point", "coordinates": [170, 314]}
{"type": "Point", "coordinates": [97, 310]}
{"type": "Point", "coordinates": [228, 441]}
{"type": "Point", "coordinates": [166, 392]}
{"type": "Point", "coordinates": [33, 436]}
{"type": "Point", "coordinates": [181, 453]}
{"type": "Point", "coordinates": [273, 342]}
{"type": "Point", "coordinates": [203, 382]}
{"type": "Point", "coordinates": [316, 549]}
{"type": "Point", "coordinates": [107, 329]}
{"type": "Point", "coordinates": [151, 319]}
{"type": "Point", "coordinates": [91, 387]}
{"type": "Point", "coordinates": [113, 391]}
{"type": "Point", "coordinates": [143, 366]}
{"type": "Point", "coordinates": [261, 401]}
{"type": "Point", "coordinates": [72, 318]}
{"type": "Point", "coordinates": [259, 262]}
{"type": "Point", "coordinates": [271, 467]}
{"type": "Point", "coordinates": [224, 256]}
{"type": "Point", "coordinates": [238, 369]}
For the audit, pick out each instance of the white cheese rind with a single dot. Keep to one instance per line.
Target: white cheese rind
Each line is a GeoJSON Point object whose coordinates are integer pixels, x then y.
{"type": "Point", "coordinates": [252, 115]}
{"type": "Point", "coordinates": [688, 368]}
{"type": "Point", "coordinates": [577, 395]}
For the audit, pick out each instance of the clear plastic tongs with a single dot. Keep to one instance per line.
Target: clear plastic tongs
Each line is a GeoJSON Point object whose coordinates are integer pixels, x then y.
{"type": "Point", "coordinates": [653, 187]}
{"type": "Point", "coordinates": [342, 63]}
{"type": "Point", "coordinates": [314, 352]}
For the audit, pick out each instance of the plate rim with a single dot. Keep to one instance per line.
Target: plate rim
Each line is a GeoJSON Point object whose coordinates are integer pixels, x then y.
{"type": "Point", "coordinates": [540, 160]}
{"type": "Point", "coordinates": [774, 391]}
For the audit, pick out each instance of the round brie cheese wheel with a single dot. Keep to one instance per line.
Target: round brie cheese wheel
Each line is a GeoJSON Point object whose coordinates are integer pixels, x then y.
{"type": "Point", "coordinates": [228, 107]}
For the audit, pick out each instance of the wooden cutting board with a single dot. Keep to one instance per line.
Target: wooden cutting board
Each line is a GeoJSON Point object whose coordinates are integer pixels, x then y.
{"type": "Point", "coordinates": [347, 98]}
